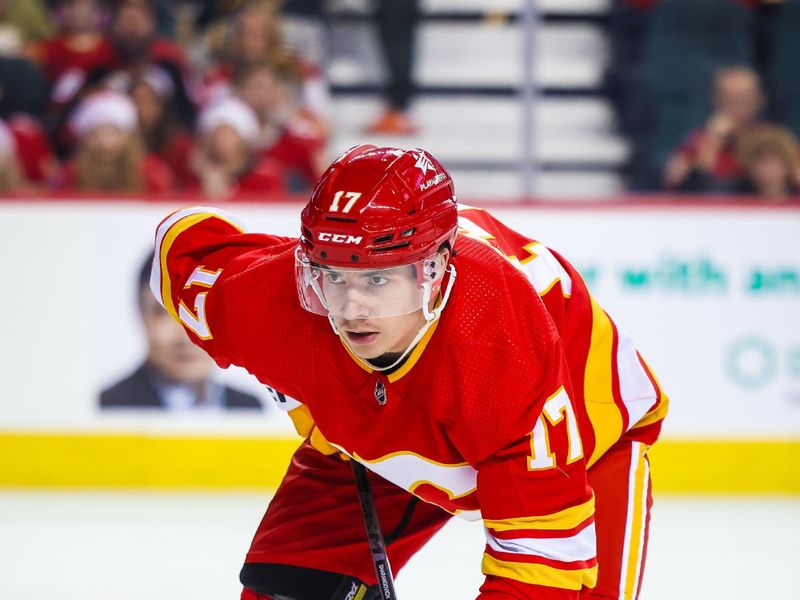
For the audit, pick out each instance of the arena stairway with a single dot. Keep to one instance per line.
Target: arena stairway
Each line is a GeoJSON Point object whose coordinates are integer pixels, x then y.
{"type": "Point", "coordinates": [469, 67]}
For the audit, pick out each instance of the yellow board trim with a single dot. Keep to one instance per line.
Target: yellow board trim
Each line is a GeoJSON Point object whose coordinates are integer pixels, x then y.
{"type": "Point", "coordinates": [753, 466]}
{"type": "Point", "coordinates": [539, 574]}
{"type": "Point", "coordinates": [38, 459]}
{"type": "Point", "coordinates": [142, 461]}
{"type": "Point", "coordinates": [564, 519]}
{"type": "Point", "coordinates": [598, 385]}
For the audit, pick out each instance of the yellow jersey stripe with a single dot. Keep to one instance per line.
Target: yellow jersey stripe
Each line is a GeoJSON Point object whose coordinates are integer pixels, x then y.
{"type": "Point", "coordinates": [635, 540]}
{"type": "Point", "coordinates": [569, 518]}
{"type": "Point", "coordinates": [415, 354]}
{"type": "Point", "coordinates": [598, 385]}
{"type": "Point", "coordinates": [538, 574]}
{"type": "Point", "coordinates": [654, 415]}
{"type": "Point", "coordinates": [166, 285]}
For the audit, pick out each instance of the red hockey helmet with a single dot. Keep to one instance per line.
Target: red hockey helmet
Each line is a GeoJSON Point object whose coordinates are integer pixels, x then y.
{"type": "Point", "coordinates": [379, 207]}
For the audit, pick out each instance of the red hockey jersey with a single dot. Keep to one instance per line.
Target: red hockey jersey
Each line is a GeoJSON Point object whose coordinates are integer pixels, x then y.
{"type": "Point", "coordinates": [522, 382]}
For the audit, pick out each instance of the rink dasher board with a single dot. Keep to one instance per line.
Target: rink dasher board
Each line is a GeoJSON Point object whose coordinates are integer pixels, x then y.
{"type": "Point", "coordinates": [710, 295]}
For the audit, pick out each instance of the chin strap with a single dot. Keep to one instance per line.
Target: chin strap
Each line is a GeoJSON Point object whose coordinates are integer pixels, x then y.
{"type": "Point", "coordinates": [430, 317]}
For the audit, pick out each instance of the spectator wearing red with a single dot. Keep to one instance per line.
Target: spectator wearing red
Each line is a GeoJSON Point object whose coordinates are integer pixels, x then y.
{"type": "Point", "coordinates": [707, 159]}
{"type": "Point", "coordinates": [79, 47]}
{"type": "Point", "coordinates": [287, 132]}
{"type": "Point", "coordinates": [34, 151]}
{"type": "Point", "coordinates": [110, 155]}
{"type": "Point", "coordinates": [771, 159]}
{"type": "Point", "coordinates": [153, 92]}
{"type": "Point", "coordinates": [134, 37]}
{"type": "Point", "coordinates": [225, 162]}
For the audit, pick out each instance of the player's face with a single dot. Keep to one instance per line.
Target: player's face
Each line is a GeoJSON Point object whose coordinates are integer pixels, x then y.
{"type": "Point", "coordinates": [169, 349]}
{"type": "Point", "coordinates": [359, 301]}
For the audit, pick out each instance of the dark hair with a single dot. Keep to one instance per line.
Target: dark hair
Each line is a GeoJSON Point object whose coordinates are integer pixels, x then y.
{"type": "Point", "coordinates": [144, 277]}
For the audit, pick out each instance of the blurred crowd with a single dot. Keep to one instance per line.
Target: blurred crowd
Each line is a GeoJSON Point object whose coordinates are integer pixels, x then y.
{"type": "Point", "coordinates": [155, 96]}
{"type": "Point", "coordinates": [708, 93]}
{"type": "Point", "coordinates": [208, 98]}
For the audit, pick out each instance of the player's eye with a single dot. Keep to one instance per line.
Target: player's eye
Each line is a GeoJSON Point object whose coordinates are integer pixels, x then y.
{"type": "Point", "coordinates": [378, 280]}
{"type": "Point", "coordinates": [333, 277]}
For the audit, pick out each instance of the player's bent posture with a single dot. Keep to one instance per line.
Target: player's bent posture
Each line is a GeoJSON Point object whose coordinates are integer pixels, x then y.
{"type": "Point", "coordinates": [465, 365]}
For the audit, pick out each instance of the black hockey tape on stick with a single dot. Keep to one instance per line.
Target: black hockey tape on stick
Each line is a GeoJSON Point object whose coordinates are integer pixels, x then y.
{"type": "Point", "coordinates": [374, 535]}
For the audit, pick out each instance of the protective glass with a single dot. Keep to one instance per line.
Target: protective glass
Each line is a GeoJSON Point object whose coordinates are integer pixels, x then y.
{"type": "Point", "coordinates": [366, 293]}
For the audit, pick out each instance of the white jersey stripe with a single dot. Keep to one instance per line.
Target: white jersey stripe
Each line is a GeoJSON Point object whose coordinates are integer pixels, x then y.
{"type": "Point", "coordinates": [581, 546]}
{"type": "Point", "coordinates": [161, 232]}
{"type": "Point", "coordinates": [409, 470]}
{"type": "Point", "coordinates": [636, 389]}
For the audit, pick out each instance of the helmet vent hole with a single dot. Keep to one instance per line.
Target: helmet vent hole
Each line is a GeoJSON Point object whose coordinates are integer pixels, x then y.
{"type": "Point", "coordinates": [354, 257]}
{"type": "Point", "coordinates": [408, 232]}
{"type": "Point", "coordinates": [323, 254]}
{"type": "Point", "coordinates": [307, 234]}
{"type": "Point", "coordinates": [341, 219]}
{"type": "Point", "coordinates": [412, 211]}
{"type": "Point", "coordinates": [393, 247]}
{"type": "Point", "coordinates": [383, 239]}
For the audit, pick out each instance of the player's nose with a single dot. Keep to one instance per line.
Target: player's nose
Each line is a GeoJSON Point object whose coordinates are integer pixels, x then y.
{"type": "Point", "coordinates": [355, 305]}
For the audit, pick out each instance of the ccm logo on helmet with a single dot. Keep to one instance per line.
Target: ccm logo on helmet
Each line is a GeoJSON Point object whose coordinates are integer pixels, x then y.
{"type": "Point", "coordinates": [339, 238]}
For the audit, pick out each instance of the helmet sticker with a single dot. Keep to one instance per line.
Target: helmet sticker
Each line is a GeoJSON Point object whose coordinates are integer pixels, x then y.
{"type": "Point", "coordinates": [424, 164]}
{"type": "Point", "coordinates": [351, 198]}
{"type": "Point", "coordinates": [432, 182]}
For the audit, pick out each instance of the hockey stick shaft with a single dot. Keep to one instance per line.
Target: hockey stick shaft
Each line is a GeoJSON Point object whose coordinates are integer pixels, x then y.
{"type": "Point", "coordinates": [374, 535]}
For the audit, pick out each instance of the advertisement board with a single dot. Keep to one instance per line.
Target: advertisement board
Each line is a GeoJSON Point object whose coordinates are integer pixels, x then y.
{"type": "Point", "coordinates": [710, 295]}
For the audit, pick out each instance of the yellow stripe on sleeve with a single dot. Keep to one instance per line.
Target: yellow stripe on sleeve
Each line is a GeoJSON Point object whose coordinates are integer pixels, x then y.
{"type": "Point", "coordinates": [537, 574]}
{"type": "Point", "coordinates": [568, 518]}
{"type": "Point", "coordinates": [172, 234]}
{"type": "Point", "coordinates": [598, 385]}
{"type": "Point", "coordinates": [166, 285]}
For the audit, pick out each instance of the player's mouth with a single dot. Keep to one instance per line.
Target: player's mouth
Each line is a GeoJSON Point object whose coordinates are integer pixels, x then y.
{"type": "Point", "coordinates": [361, 337]}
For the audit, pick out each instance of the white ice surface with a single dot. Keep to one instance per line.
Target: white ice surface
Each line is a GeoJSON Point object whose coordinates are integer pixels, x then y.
{"type": "Point", "coordinates": [145, 546]}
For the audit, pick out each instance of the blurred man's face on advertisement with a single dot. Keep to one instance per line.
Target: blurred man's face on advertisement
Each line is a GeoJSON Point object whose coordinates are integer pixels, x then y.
{"type": "Point", "coordinates": [168, 348]}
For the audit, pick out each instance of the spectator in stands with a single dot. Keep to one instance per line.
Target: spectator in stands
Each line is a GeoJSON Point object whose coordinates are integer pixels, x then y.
{"type": "Point", "coordinates": [294, 137]}
{"type": "Point", "coordinates": [253, 38]}
{"type": "Point", "coordinates": [34, 152]}
{"type": "Point", "coordinates": [176, 375]}
{"type": "Point", "coordinates": [110, 155]}
{"type": "Point", "coordinates": [11, 176]}
{"type": "Point", "coordinates": [131, 44]}
{"type": "Point", "coordinates": [771, 159]}
{"type": "Point", "coordinates": [153, 92]}
{"type": "Point", "coordinates": [226, 162]}
{"type": "Point", "coordinates": [396, 21]}
{"type": "Point", "coordinates": [707, 161]}
{"type": "Point", "coordinates": [79, 47]}
{"type": "Point", "coordinates": [396, 24]}
{"type": "Point", "coordinates": [23, 21]}
{"type": "Point", "coordinates": [22, 87]}
{"type": "Point", "coordinates": [134, 36]}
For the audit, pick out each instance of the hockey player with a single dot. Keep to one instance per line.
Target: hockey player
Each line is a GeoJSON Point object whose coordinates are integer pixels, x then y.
{"type": "Point", "coordinates": [465, 365]}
